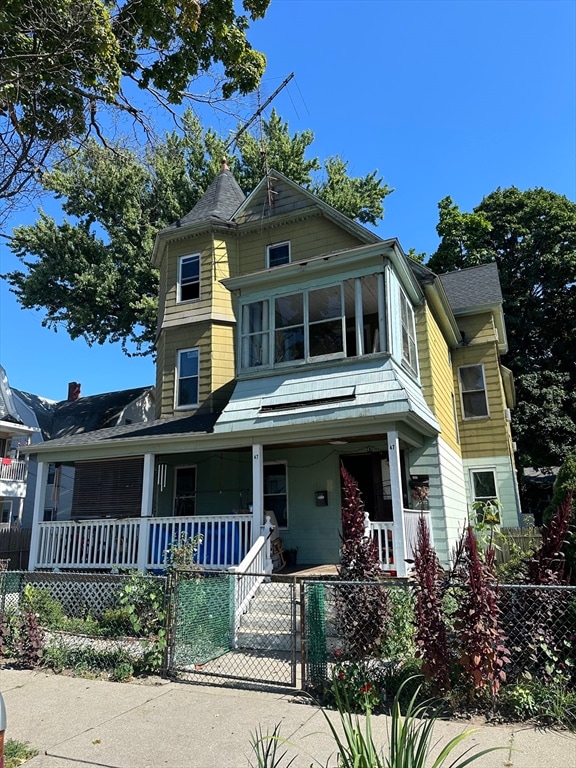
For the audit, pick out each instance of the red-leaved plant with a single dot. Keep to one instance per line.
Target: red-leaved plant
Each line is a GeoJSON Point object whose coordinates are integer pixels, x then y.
{"type": "Point", "coordinates": [481, 651]}
{"type": "Point", "coordinates": [431, 635]}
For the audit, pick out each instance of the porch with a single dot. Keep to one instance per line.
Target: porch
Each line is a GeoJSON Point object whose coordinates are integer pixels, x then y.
{"type": "Point", "coordinates": [144, 543]}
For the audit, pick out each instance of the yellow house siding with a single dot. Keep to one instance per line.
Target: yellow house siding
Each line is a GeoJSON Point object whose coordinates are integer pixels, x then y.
{"type": "Point", "coordinates": [436, 374]}
{"type": "Point", "coordinates": [486, 436]}
{"type": "Point", "coordinates": [478, 329]}
{"type": "Point", "coordinates": [308, 238]}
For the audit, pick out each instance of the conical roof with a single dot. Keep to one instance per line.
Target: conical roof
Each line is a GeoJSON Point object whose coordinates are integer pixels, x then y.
{"type": "Point", "coordinates": [220, 201]}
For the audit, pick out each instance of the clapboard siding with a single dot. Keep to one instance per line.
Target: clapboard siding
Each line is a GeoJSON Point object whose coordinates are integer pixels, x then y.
{"type": "Point", "coordinates": [286, 199]}
{"type": "Point", "coordinates": [308, 238]}
{"type": "Point", "coordinates": [506, 484]}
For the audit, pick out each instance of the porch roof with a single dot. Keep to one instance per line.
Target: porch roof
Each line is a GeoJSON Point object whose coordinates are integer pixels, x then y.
{"type": "Point", "coordinates": [322, 396]}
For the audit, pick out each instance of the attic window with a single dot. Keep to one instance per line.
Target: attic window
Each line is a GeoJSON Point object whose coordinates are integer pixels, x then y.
{"type": "Point", "coordinates": [277, 254]}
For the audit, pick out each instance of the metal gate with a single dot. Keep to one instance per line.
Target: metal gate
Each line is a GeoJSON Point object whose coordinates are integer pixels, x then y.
{"type": "Point", "coordinates": [216, 636]}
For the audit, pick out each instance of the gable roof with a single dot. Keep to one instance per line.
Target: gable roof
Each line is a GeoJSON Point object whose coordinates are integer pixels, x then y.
{"type": "Point", "coordinates": [473, 287]}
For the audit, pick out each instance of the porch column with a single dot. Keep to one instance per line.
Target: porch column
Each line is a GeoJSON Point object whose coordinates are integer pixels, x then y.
{"type": "Point", "coordinates": [257, 490]}
{"type": "Point", "coordinates": [145, 510]}
{"type": "Point", "coordinates": [397, 504]}
{"type": "Point", "coordinates": [38, 516]}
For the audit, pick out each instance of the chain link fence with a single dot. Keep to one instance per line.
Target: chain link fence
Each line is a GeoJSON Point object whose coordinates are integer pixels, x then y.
{"type": "Point", "coordinates": [217, 635]}
{"type": "Point", "coordinates": [367, 630]}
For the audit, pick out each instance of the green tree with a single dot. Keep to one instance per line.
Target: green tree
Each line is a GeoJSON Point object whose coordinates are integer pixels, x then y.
{"type": "Point", "coordinates": [91, 274]}
{"type": "Point", "coordinates": [531, 235]}
{"type": "Point", "coordinates": [66, 67]}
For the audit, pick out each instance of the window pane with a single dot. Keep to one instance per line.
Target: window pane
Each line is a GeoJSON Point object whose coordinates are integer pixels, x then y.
{"type": "Point", "coordinates": [188, 392]}
{"type": "Point", "coordinates": [188, 363]}
{"type": "Point", "coordinates": [484, 485]}
{"type": "Point", "coordinates": [255, 317]}
{"type": "Point", "coordinates": [278, 254]}
{"type": "Point", "coordinates": [275, 492]}
{"type": "Point", "coordinates": [326, 338]}
{"type": "Point", "coordinates": [472, 377]}
{"type": "Point", "coordinates": [474, 404]}
{"type": "Point", "coordinates": [190, 268]}
{"type": "Point", "coordinates": [255, 350]}
{"type": "Point", "coordinates": [289, 310]}
{"type": "Point", "coordinates": [289, 345]}
{"type": "Point", "coordinates": [324, 303]}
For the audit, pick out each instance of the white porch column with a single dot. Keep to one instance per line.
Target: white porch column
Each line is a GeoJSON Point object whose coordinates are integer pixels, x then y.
{"type": "Point", "coordinates": [397, 503]}
{"type": "Point", "coordinates": [257, 490]}
{"type": "Point", "coordinates": [145, 510]}
{"type": "Point", "coordinates": [38, 516]}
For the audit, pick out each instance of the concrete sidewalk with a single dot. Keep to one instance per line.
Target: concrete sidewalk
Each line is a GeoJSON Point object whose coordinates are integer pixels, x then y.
{"type": "Point", "coordinates": [78, 723]}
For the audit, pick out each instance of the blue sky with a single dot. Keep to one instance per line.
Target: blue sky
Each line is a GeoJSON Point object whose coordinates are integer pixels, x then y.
{"type": "Point", "coordinates": [443, 98]}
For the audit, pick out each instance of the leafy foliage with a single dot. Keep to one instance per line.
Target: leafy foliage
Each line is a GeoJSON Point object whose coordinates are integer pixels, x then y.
{"type": "Point", "coordinates": [531, 236]}
{"type": "Point", "coordinates": [92, 275]}
{"type": "Point", "coordinates": [564, 489]}
{"type": "Point", "coordinates": [66, 66]}
{"type": "Point", "coordinates": [361, 608]}
{"type": "Point", "coordinates": [145, 601]}
{"type": "Point", "coordinates": [431, 630]}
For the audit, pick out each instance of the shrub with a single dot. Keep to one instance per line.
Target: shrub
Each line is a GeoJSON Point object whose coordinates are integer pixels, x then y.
{"type": "Point", "coordinates": [39, 601]}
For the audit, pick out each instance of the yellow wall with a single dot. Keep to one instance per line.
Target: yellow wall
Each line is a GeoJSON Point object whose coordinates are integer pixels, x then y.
{"type": "Point", "coordinates": [489, 436]}
{"type": "Point", "coordinates": [436, 374]}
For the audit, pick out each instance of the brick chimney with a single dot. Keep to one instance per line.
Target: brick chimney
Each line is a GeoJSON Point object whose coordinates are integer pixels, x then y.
{"type": "Point", "coordinates": [73, 391]}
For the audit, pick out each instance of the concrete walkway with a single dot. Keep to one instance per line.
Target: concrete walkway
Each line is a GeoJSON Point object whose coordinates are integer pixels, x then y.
{"type": "Point", "coordinates": [78, 723]}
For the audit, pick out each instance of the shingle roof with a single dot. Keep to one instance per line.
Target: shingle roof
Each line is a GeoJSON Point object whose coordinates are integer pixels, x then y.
{"type": "Point", "coordinates": [472, 287]}
{"type": "Point", "coordinates": [178, 425]}
{"type": "Point", "coordinates": [220, 201]}
{"type": "Point", "coordinates": [8, 410]}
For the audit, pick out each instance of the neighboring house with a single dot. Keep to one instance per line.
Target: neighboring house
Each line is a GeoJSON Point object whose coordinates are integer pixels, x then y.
{"type": "Point", "coordinates": [14, 434]}
{"type": "Point", "coordinates": [291, 341]}
{"type": "Point", "coordinates": [49, 419]}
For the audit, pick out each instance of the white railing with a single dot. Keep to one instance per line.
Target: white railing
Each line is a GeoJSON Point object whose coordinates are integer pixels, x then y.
{"type": "Point", "coordinates": [251, 572]}
{"type": "Point", "coordinates": [411, 517]}
{"type": "Point", "coordinates": [142, 541]}
{"type": "Point", "coordinates": [89, 544]}
{"type": "Point", "coordinates": [13, 470]}
{"type": "Point", "coordinates": [382, 534]}
{"type": "Point", "coordinates": [225, 539]}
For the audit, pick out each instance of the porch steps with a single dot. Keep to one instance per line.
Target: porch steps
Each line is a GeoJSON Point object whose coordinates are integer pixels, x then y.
{"type": "Point", "coordinates": [267, 625]}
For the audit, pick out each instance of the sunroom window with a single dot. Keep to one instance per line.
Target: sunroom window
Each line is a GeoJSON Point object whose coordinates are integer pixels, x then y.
{"type": "Point", "coordinates": [409, 356]}
{"type": "Point", "coordinates": [346, 319]}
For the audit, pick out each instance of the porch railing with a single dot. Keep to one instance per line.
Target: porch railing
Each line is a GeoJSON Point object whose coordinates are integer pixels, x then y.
{"type": "Point", "coordinates": [141, 542]}
{"type": "Point", "coordinates": [13, 470]}
{"type": "Point", "coordinates": [251, 573]}
{"type": "Point", "coordinates": [383, 535]}
{"type": "Point", "coordinates": [411, 517]}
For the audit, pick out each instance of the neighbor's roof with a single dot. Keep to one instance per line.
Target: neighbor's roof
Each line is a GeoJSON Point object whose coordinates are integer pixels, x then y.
{"type": "Point", "coordinates": [472, 287]}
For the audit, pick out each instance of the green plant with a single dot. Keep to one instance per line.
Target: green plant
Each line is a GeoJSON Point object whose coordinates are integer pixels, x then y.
{"type": "Point", "coordinates": [39, 601]}
{"type": "Point", "coordinates": [544, 703]}
{"type": "Point", "coordinates": [116, 621]}
{"type": "Point", "coordinates": [360, 683]}
{"type": "Point", "coordinates": [398, 642]}
{"type": "Point", "coordinates": [410, 739]}
{"type": "Point", "coordinates": [266, 748]}
{"type": "Point", "coordinates": [145, 602]}
{"type": "Point", "coordinates": [122, 672]}
{"type": "Point", "coordinates": [181, 554]}
{"type": "Point", "coordinates": [17, 752]}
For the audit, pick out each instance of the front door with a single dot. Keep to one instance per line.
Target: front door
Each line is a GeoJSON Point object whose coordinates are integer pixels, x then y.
{"type": "Point", "coordinates": [185, 491]}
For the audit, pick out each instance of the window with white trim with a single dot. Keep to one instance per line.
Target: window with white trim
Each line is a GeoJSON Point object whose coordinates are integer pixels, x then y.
{"type": "Point", "coordinates": [473, 392]}
{"type": "Point", "coordinates": [276, 491]}
{"type": "Point", "coordinates": [277, 254]}
{"type": "Point", "coordinates": [485, 495]}
{"type": "Point", "coordinates": [409, 349]}
{"type": "Point", "coordinates": [189, 277]}
{"type": "Point", "coordinates": [346, 319]}
{"type": "Point", "coordinates": [187, 378]}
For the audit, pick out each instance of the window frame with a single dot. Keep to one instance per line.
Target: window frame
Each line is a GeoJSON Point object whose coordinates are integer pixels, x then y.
{"type": "Point", "coordinates": [484, 499]}
{"type": "Point", "coordinates": [177, 389]}
{"type": "Point", "coordinates": [271, 247]}
{"type": "Point", "coordinates": [409, 345]}
{"type": "Point", "coordinates": [194, 495]}
{"type": "Point", "coordinates": [284, 463]}
{"type": "Point", "coordinates": [464, 392]}
{"type": "Point", "coordinates": [188, 282]}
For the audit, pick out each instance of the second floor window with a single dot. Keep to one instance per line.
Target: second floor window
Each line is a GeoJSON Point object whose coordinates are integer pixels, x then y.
{"type": "Point", "coordinates": [409, 356]}
{"type": "Point", "coordinates": [473, 391]}
{"type": "Point", "coordinates": [278, 253]}
{"type": "Point", "coordinates": [187, 384]}
{"type": "Point", "coordinates": [189, 277]}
